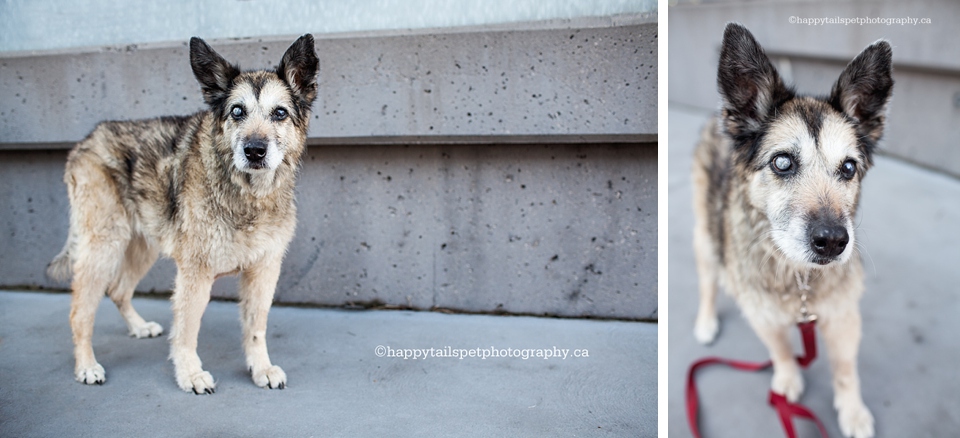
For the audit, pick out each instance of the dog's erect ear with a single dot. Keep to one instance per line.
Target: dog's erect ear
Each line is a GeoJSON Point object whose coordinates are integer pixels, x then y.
{"type": "Point", "coordinates": [748, 82]}
{"type": "Point", "coordinates": [212, 71]}
{"type": "Point", "coordinates": [299, 68]}
{"type": "Point", "coordinates": [864, 88]}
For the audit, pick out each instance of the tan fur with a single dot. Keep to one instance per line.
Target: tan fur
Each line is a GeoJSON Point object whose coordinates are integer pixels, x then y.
{"type": "Point", "coordinates": [760, 228]}
{"type": "Point", "coordinates": [763, 280]}
{"type": "Point", "coordinates": [179, 186]}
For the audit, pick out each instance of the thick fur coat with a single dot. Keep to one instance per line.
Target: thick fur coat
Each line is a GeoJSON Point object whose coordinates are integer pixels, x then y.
{"type": "Point", "coordinates": [213, 190]}
{"type": "Point", "coordinates": [777, 180]}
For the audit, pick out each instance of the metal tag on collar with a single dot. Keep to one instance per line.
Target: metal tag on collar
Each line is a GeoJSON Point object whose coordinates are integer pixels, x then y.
{"type": "Point", "coordinates": [805, 315]}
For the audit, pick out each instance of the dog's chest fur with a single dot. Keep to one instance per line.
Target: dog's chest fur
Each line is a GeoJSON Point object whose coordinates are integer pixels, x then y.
{"type": "Point", "coordinates": [187, 198]}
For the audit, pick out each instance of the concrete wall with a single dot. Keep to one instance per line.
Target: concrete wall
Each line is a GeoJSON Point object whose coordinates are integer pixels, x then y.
{"type": "Point", "coordinates": [492, 170]}
{"type": "Point", "coordinates": [54, 24]}
{"type": "Point", "coordinates": [924, 116]}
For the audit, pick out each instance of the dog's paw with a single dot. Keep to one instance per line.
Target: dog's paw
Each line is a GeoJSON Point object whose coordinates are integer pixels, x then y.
{"type": "Point", "coordinates": [855, 419]}
{"type": "Point", "coordinates": [197, 383]}
{"type": "Point", "coordinates": [706, 329]}
{"type": "Point", "coordinates": [788, 383]}
{"type": "Point", "coordinates": [94, 375]}
{"type": "Point", "coordinates": [272, 378]}
{"type": "Point", "coordinates": [146, 330]}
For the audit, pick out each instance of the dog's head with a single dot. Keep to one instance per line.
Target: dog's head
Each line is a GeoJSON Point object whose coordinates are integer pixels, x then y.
{"type": "Point", "coordinates": [804, 157]}
{"type": "Point", "coordinates": [263, 114]}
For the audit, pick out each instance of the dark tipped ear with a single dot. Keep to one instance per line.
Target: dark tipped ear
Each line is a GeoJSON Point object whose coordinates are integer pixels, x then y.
{"type": "Point", "coordinates": [212, 71]}
{"type": "Point", "coordinates": [748, 82]}
{"type": "Point", "coordinates": [299, 69]}
{"type": "Point", "coordinates": [864, 88]}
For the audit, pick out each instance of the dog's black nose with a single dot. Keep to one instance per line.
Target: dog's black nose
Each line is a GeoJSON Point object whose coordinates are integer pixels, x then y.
{"type": "Point", "coordinates": [255, 150]}
{"type": "Point", "coordinates": [829, 240]}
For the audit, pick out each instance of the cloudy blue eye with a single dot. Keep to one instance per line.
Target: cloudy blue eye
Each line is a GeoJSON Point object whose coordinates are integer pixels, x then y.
{"type": "Point", "coordinates": [848, 169]}
{"type": "Point", "coordinates": [783, 164]}
{"type": "Point", "coordinates": [237, 112]}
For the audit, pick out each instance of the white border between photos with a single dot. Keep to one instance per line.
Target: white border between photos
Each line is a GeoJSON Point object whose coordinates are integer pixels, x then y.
{"type": "Point", "coordinates": [662, 142]}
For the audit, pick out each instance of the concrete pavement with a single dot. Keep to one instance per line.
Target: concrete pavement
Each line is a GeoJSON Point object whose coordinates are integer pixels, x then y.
{"type": "Point", "coordinates": [338, 386]}
{"type": "Point", "coordinates": [911, 311]}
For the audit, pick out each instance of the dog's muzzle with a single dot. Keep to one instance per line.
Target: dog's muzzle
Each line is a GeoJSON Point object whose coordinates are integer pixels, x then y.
{"type": "Point", "coordinates": [256, 151]}
{"type": "Point", "coordinates": [827, 241]}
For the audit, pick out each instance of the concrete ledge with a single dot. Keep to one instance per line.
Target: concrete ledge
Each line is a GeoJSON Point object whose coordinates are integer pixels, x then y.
{"type": "Point", "coordinates": [417, 140]}
{"type": "Point", "coordinates": [554, 82]}
{"type": "Point", "coordinates": [32, 26]}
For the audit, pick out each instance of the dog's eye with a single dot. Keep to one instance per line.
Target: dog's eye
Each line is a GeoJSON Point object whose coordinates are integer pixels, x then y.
{"type": "Point", "coordinates": [783, 164]}
{"type": "Point", "coordinates": [279, 114]}
{"type": "Point", "coordinates": [848, 169]}
{"type": "Point", "coordinates": [237, 112]}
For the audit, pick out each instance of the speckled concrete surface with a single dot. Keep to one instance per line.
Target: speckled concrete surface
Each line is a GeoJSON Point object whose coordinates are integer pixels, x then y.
{"type": "Point", "coordinates": [486, 170]}
{"type": "Point", "coordinates": [541, 229]}
{"type": "Point", "coordinates": [338, 386]}
{"type": "Point", "coordinates": [571, 81]}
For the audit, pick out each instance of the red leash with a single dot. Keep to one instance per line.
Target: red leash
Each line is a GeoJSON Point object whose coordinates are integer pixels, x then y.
{"type": "Point", "coordinates": [784, 408]}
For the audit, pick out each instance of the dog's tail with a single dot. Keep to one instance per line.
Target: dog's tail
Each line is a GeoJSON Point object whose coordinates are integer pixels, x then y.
{"type": "Point", "coordinates": [60, 268]}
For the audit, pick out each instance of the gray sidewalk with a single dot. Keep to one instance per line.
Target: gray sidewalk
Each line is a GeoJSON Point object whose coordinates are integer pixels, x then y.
{"type": "Point", "coordinates": [911, 311]}
{"type": "Point", "coordinates": [338, 386]}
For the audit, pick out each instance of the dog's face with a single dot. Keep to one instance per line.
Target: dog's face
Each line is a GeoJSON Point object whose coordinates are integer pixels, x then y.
{"type": "Point", "coordinates": [262, 114]}
{"type": "Point", "coordinates": [803, 157]}
{"type": "Point", "coordinates": [806, 178]}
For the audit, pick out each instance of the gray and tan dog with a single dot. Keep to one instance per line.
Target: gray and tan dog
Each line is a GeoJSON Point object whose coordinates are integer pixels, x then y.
{"type": "Point", "coordinates": [776, 185]}
{"type": "Point", "coordinates": [213, 190]}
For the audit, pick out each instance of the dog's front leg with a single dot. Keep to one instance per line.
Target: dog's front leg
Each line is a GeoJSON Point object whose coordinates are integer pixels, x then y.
{"type": "Point", "coordinates": [190, 297]}
{"type": "Point", "coordinates": [842, 336]}
{"type": "Point", "coordinates": [707, 325]}
{"type": "Point", "coordinates": [787, 379]}
{"type": "Point", "coordinates": [257, 285]}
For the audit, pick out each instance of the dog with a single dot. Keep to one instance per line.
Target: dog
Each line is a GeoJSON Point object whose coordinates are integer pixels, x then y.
{"type": "Point", "coordinates": [776, 179]}
{"type": "Point", "coordinates": [213, 190]}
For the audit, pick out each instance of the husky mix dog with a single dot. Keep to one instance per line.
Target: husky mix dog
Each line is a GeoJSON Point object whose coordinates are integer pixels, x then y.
{"type": "Point", "coordinates": [776, 185]}
{"type": "Point", "coordinates": [213, 190]}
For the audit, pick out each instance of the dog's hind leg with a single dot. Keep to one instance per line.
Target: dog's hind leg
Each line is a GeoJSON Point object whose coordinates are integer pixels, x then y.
{"type": "Point", "coordinates": [93, 272]}
{"type": "Point", "coordinates": [137, 261]}
{"type": "Point", "coordinates": [842, 336]}
{"type": "Point", "coordinates": [102, 232]}
{"type": "Point", "coordinates": [257, 286]}
{"type": "Point", "coordinates": [190, 298]}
